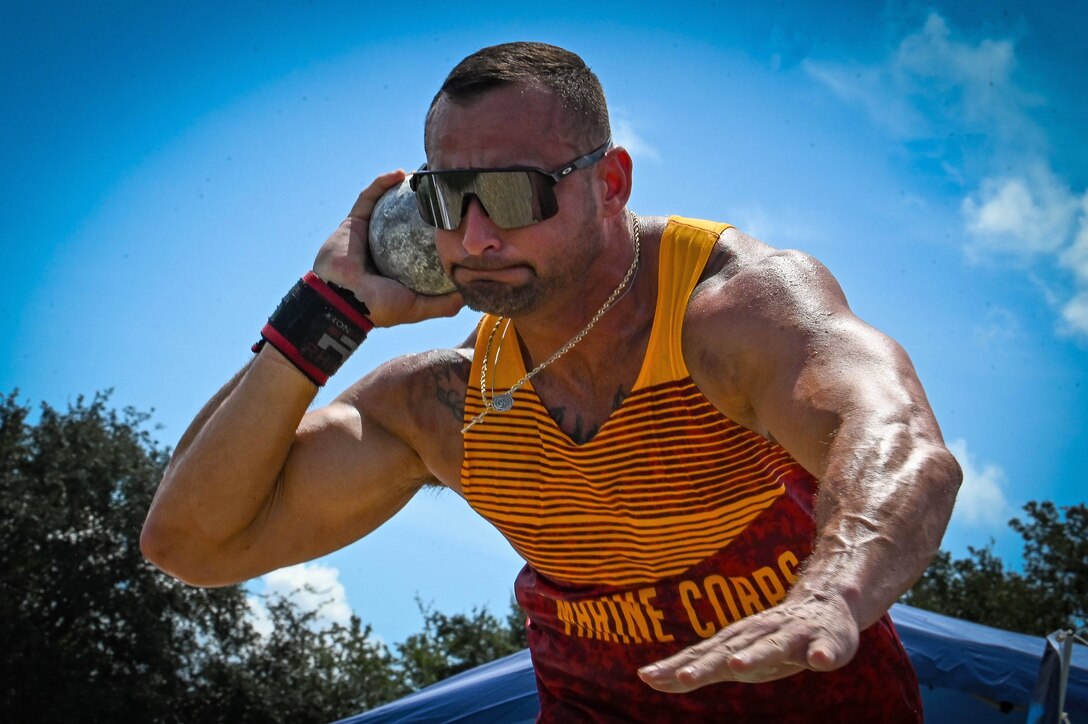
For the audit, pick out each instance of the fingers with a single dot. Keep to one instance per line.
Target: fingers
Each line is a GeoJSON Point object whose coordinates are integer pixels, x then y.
{"type": "Point", "coordinates": [391, 303]}
{"type": "Point", "coordinates": [767, 646]}
{"type": "Point", "coordinates": [344, 255]}
{"type": "Point", "coordinates": [827, 654]}
{"type": "Point", "coordinates": [344, 259]}
{"type": "Point", "coordinates": [429, 307]}
{"type": "Point", "coordinates": [364, 205]}
{"type": "Point", "coordinates": [768, 659]}
{"type": "Point", "coordinates": [717, 660]}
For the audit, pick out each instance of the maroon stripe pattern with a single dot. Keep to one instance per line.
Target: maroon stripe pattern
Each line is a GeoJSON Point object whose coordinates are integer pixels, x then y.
{"type": "Point", "coordinates": [666, 482]}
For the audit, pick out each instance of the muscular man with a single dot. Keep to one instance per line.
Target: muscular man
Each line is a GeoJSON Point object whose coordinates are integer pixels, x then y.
{"type": "Point", "coordinates": [720, 478]}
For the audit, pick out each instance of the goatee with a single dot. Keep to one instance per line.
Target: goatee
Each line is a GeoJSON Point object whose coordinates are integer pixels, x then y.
{"type": "Point", "coordinates": [500, 299]}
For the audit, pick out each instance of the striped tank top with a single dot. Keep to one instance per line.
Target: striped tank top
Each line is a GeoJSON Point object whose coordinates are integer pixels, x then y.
{"type": "Point", "coordinates": [672, 522]}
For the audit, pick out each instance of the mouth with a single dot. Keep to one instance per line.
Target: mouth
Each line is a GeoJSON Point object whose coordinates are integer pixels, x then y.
{"type": "Point", "coordinates": [509, 274]}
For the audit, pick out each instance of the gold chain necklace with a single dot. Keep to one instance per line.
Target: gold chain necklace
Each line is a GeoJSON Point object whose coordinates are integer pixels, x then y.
{"type": "Point", "coordinates": [505, 401]}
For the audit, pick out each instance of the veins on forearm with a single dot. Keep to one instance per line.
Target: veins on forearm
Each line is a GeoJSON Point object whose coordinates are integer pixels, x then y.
{"type": "Point", "coordinates": [880, 517]}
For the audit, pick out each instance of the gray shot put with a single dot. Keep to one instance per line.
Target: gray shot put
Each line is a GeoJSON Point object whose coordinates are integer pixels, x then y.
{"type": "Point", "coordinates": [402, 244]}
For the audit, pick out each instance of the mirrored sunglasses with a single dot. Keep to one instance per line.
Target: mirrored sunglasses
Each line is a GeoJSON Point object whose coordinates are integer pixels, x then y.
{"type": "Point", "coordinates": [511, 197]}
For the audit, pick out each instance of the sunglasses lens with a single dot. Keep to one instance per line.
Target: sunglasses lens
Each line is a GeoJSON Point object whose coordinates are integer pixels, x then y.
{"type": "Point", "coordinates": [511, 198]}
{"type": "Point", "coordinates": [439, 200]}
{"type": "Point", "coordinates": [507, 197]}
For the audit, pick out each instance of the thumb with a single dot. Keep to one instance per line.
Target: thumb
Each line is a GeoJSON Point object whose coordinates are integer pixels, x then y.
{"type": "Point", "coordinates": [419, 307]}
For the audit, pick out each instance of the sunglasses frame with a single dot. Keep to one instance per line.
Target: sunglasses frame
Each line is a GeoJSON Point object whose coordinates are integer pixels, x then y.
{"type": "Point", "coordinates": [584, 161]}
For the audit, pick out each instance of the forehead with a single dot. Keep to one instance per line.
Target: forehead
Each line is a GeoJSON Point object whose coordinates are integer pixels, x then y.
{"type": "Point", "coordinates": [506, 126]}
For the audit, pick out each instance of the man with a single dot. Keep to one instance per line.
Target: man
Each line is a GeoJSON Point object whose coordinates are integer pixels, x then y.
{"type": "Point", "coordinates": [719, 476]}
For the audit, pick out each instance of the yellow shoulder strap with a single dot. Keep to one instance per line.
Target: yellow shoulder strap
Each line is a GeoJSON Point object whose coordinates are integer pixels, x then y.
{"type": "Point", "coordinates": [685, 247]}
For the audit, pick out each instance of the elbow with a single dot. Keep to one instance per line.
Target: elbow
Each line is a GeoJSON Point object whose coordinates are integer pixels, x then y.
{"type": "Point", "coordinates": [176, 537]}
{"type": "Point", "coordinates": [947, 475]}
{"type": "Point", "coordinates": [160, 534]}
{"type": "Point", "coordinates": [155, 543]}
{"type": "Point", "coordinates": [944, 476]}
{"type": "Point", "coordinates": [161, 546]}
{"type": "Point", "coordinates": [166, 553]}
{"type": "Point", "coordinates": [172, 551]}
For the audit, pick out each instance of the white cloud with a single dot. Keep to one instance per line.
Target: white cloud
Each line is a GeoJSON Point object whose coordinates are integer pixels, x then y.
{"type": "Point", "coordinates": [312, 587]}
{"type": "Point", "coordinates": [1075, 314]}
{"type": "Point", "coordinates": [981, 502]}
{"type": "Point", "coordinates": [999, 326]}
{"type": "Point", "coordinates": [1036, 216]}
{"type": "Point", "coordinates": [961, 99]}
{"type": "Point", "coordinates": [932, 52]}
{"type": "Point", "coordinates": [1075, 258]}
{"type": "Point", "coordinates": [933, 83]}
{"type": "Point", "coordinates": [624, 134]}
{"type": "Point", "coordinates": [873, 90]}
{"type": "Point", "coordinates": [1033, 213]}
{"type": "Point", "coordinates": [972, 83]}
{"type": "Point", "coordinates": [259, 617]}
{"type": "Point", "coordinates": [780, 228]}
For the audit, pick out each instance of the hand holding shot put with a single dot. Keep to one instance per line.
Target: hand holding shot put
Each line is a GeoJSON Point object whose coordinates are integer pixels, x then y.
{"type": "Point", "coordinates": [719, 477]}
{"type": "Point", "coordinates": [345, 259]}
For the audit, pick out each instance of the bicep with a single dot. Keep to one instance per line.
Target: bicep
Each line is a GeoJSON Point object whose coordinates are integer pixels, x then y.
{"type": "Point", "coordinates": [808, 372]}
{"type": "Point", "coordinates": [345, 475]}
{"type": "Point", "coordinates": [844, 388]}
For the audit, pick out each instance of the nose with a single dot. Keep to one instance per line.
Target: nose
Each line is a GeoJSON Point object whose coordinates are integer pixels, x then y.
{"type": "Point", "coordinates": [478, 233]}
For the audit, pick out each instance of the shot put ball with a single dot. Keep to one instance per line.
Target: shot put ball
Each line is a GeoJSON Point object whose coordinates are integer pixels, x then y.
{"type": "Point", "coordinates": [402, 244]}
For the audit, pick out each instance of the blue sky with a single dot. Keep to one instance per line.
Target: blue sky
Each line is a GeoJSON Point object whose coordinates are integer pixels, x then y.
{"type": "Point", "coordinates": [170, 170]}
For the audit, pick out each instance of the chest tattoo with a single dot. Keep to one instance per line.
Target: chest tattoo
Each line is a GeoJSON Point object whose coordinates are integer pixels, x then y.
{"type": "Point", "coordinates": [576, 428]}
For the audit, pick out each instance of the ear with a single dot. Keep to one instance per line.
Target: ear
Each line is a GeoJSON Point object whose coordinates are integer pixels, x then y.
{"type": "Point", "coordinates": [614, 171]}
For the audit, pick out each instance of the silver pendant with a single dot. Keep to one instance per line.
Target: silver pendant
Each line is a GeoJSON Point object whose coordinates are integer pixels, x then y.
{"type": "Point", "coordinates": [503, 402]}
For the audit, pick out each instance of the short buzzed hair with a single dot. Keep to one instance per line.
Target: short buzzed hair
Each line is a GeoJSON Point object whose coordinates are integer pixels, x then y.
{"type": "Point", "coordinates": [537, 65]}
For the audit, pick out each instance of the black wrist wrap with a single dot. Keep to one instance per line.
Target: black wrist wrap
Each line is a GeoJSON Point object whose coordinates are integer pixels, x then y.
{"type": "Point", "coordinates": [317, 326]}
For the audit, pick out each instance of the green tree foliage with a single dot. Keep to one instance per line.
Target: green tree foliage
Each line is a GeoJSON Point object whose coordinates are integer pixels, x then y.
{"type": "Point", "coordinates": [300, 672]}
{"type": "Point", "coordinates": [449, 645]}
{"type": "Point", "coordinates": [1050, 594]}
{"type": "Point", "coordinates": [82, 615]}
{"type": "Point", "coordinates": [92, 632]}
{"type": "Point", "coordinates": [1056, 561]}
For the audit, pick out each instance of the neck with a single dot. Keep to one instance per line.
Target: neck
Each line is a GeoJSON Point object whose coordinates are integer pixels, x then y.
{"type": "Point", "coordinates": [610, 298]}
{"type": "Point", "coordinates": [578, 357]}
